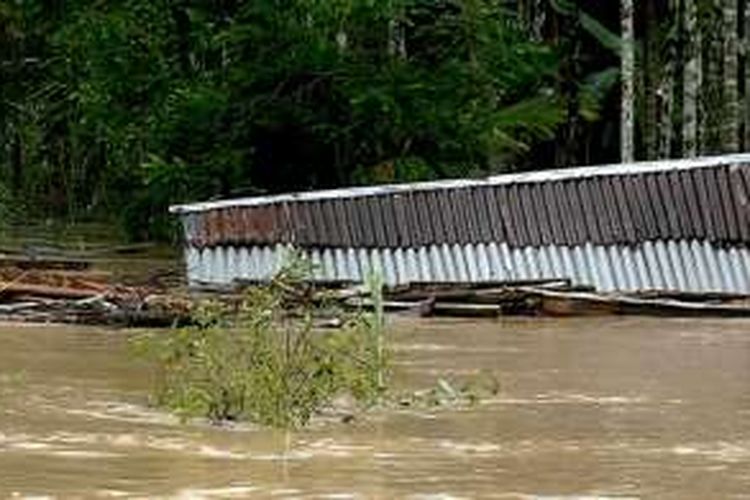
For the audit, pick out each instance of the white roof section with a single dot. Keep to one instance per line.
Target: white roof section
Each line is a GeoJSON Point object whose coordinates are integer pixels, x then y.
{"type": "Point", "coordinates": [558, 174]}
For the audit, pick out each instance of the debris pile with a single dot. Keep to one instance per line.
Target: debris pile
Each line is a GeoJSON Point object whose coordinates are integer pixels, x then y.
{"type": "Point", "coordinates": [548, 298]}
{"type": "Point", "coordinates": [73, 291]}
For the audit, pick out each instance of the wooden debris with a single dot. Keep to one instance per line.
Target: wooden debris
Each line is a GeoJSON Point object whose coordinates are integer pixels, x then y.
{"type": "Point", "coordinates": [50, 294]}
{"type": "Point", "coordinates": [60, 263]}
{"type": "Point", "coordinates": [466, 310]}
{"type": "Point", "coordinates": [70, 291]}
{"type": "Point", "coordinates": [576, 304]}
{"type": "Point", "coordinates": [55, 292]}
{"type": "Point", "coordinates": [546, 298]}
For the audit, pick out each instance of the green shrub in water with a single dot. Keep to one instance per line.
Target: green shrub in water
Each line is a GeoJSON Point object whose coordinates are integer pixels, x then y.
{"type": "Point", "coordinates": [262, 360]}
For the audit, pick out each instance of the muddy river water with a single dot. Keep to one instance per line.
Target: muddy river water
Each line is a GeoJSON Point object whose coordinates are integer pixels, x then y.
{"type": "Point", "coordinates": [588, 408]}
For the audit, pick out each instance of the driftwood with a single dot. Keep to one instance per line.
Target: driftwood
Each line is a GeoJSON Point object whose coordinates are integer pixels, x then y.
{"type": "Point", "coordinates": [577, 304]}
{"type": "Point", "coordinates": [46, 291]}
{"type": "Point", "coordinates": [58, 263]}
{"type": "Point", "coordinates": [55, 292]}
{"type": "Point", "coordinates": [465, 310]}
{"type": "Point", "coordinates": [545, 298]}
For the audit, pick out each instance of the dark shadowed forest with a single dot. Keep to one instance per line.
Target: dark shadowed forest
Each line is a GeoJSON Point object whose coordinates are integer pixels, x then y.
{"type": "Point", "coordinates": [111, 110]}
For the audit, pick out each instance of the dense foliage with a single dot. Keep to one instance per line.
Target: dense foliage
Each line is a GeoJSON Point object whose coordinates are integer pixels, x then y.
{"type": "Point", "coordinates": [119, 108]}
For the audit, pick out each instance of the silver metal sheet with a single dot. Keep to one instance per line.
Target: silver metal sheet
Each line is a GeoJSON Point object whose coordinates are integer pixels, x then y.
{"type": "Point", "coordinates": [690, 266]}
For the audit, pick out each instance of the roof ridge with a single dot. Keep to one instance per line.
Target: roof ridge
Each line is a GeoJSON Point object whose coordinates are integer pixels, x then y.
{"type": "Point", "coordinates": [558, 174]}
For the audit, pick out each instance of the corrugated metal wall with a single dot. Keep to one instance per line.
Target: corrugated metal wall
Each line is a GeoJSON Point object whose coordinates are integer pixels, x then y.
{"type": "Point", "coordinates": [668, 225]}
{"type": "Point", "coordinates": [690, 266]}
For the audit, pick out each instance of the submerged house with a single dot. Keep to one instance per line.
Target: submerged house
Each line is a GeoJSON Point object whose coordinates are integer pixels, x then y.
{"type": "Point", "coordinates": [680, 225]}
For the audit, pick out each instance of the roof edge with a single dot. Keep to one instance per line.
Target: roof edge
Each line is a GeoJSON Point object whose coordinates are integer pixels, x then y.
{"type": "Point", "coordinates": [511, 178]}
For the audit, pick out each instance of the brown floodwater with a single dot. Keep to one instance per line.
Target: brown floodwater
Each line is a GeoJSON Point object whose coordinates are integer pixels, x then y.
{"type": "Point", "coordinates": [588, 408]}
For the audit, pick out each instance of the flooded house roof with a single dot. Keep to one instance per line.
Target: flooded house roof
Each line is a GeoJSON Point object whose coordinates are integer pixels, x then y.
{"type": "Point", "coordinates": [704, 199]}
{"type": "Point", "coordinates": [671, 225]}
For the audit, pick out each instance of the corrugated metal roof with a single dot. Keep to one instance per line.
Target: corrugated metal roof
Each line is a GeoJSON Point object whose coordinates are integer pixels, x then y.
{"type": "Point", "coordinates": [526, 177]}
{"type": "Point", "coordinates": [704, 199]}
{"type": "Point", "coordinates": [688, 266]}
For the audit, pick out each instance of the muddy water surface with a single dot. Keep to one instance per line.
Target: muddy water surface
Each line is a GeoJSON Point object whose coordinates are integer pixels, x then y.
{"type": "Point", "coordinates": [595, 408]}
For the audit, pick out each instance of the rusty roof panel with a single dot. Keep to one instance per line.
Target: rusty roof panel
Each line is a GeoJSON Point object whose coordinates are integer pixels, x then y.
{"type": "Point", "coordinates": [401, 222]}
{"type": "Point", "coordinates": [436, 214]}
{"type": "Point", "coordinates": [458, 226]}
{"type": "Point", "coordinates": [624, 210]}
{"type": "Point", "coordinates": [424, 217]}
{"type": "Point", "coordinates": [406, 217]}
{"type": "Point", "coordinates": [497, 225]}
{"type": "Point", "coordinates": [541, 221]}
{"type": "Point", "coordinates": [655, 203]}
{"type": "Point", "coordinates": [360, 219]}
{"type": "Point", "coordinates": [728, 203]}
{"type": "Point", "coordinates": [572, 207]}
{"type": "Point", "coordinates": [678, 189]}
{"type": "Point", "coordinates": [707, 215]}
{"type": "Point", "coordinates": [558, 219]}
{"type": "Point", "coordinates": [707, 202]}
{"type": "Point", "coordinates": [714, 200]}
{"type": "Point", "coordinates": [412, 221]}
{"type": "Point", "coordinates": [342, 219]}
{"type": "Point", "coordinates": [692, 203]}
{"type": "Point", "coordinates": [502, 194]}
{"type": "Point", "coordinates": [602, 210]}
{"type": "Point", "coordinates": [609, 205]}
{"type": "Point", "coordinates": [669, 204]}
{"type": "Point", "coordinates": [484, 215]}
{"type": "Point", "coordinates": [471, 206]}
{"type": "Point", "coordinates": [639, 213]}
{"type": "Point", "coordinates": [740, 185]}
{"type": "Point", "coordinates": [521, 204]}
{"type": "Point", "coordinates": [592, 221]}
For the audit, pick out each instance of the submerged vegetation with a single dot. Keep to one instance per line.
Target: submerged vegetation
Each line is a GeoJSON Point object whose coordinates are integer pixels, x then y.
{"type": "Point", "coordinates": [263, 360]}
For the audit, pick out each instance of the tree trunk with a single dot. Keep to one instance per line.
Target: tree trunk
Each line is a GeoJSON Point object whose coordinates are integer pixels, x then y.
{"type": "Point", "coordinates": [746, 76]}
{"type": "Point", "coordinates": [666, 110]}
{"type": "Point", "coordinates": [650, 76]}
{"type": "Point", "coordinates": [712, 94]}
{"type": "Point", "coordinates": [627, 76]}
{"type": "Point", "coordinates": [569, 135]}
{"type": "Point", "coordinates": [693, 77]}
{"type": "Point", "coordinates": [538, 21]}
{"type": "Point", "coordinates": [730, 128]}
{"type": "Point", "coordinates": [397, 37]}
{"type": "Point", "coordinates": [182, 31]}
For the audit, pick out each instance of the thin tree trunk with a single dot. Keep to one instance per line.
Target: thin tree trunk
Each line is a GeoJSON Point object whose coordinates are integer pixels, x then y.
{"type": "Point", "coordinates": [396, 39]}
{"type": "Point", "coordinates": [711, 95]}
{"type": "Point", "coordinates": [693, 77]}
{"type": "Point", "coordinates": [730, 128]}
{"type": "Point", "coordinates": [569, 135]}
{"type": "Point", "coordinates": [182, 30]}
{"type": "Point", "coordinates": [650, 76]}
{"type": "Point", "coordinates": [627, 76]}
{"type": "Point", "coordinates": [539, 19]}
{"type": "Point", "coordinates": [666, 109]}
{"type": "Point", "coordinates": [746, 76]}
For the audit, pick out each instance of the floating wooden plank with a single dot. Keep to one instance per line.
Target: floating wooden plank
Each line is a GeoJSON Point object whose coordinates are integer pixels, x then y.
{"type": "Point", "coordinates": [56, 263]}
{"type": "Point", "coordinates": [13, 289]}
{"type": "Point", "coordinates": [463, 310]}
{"type": "Point", "coordinates": [577, 304]}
